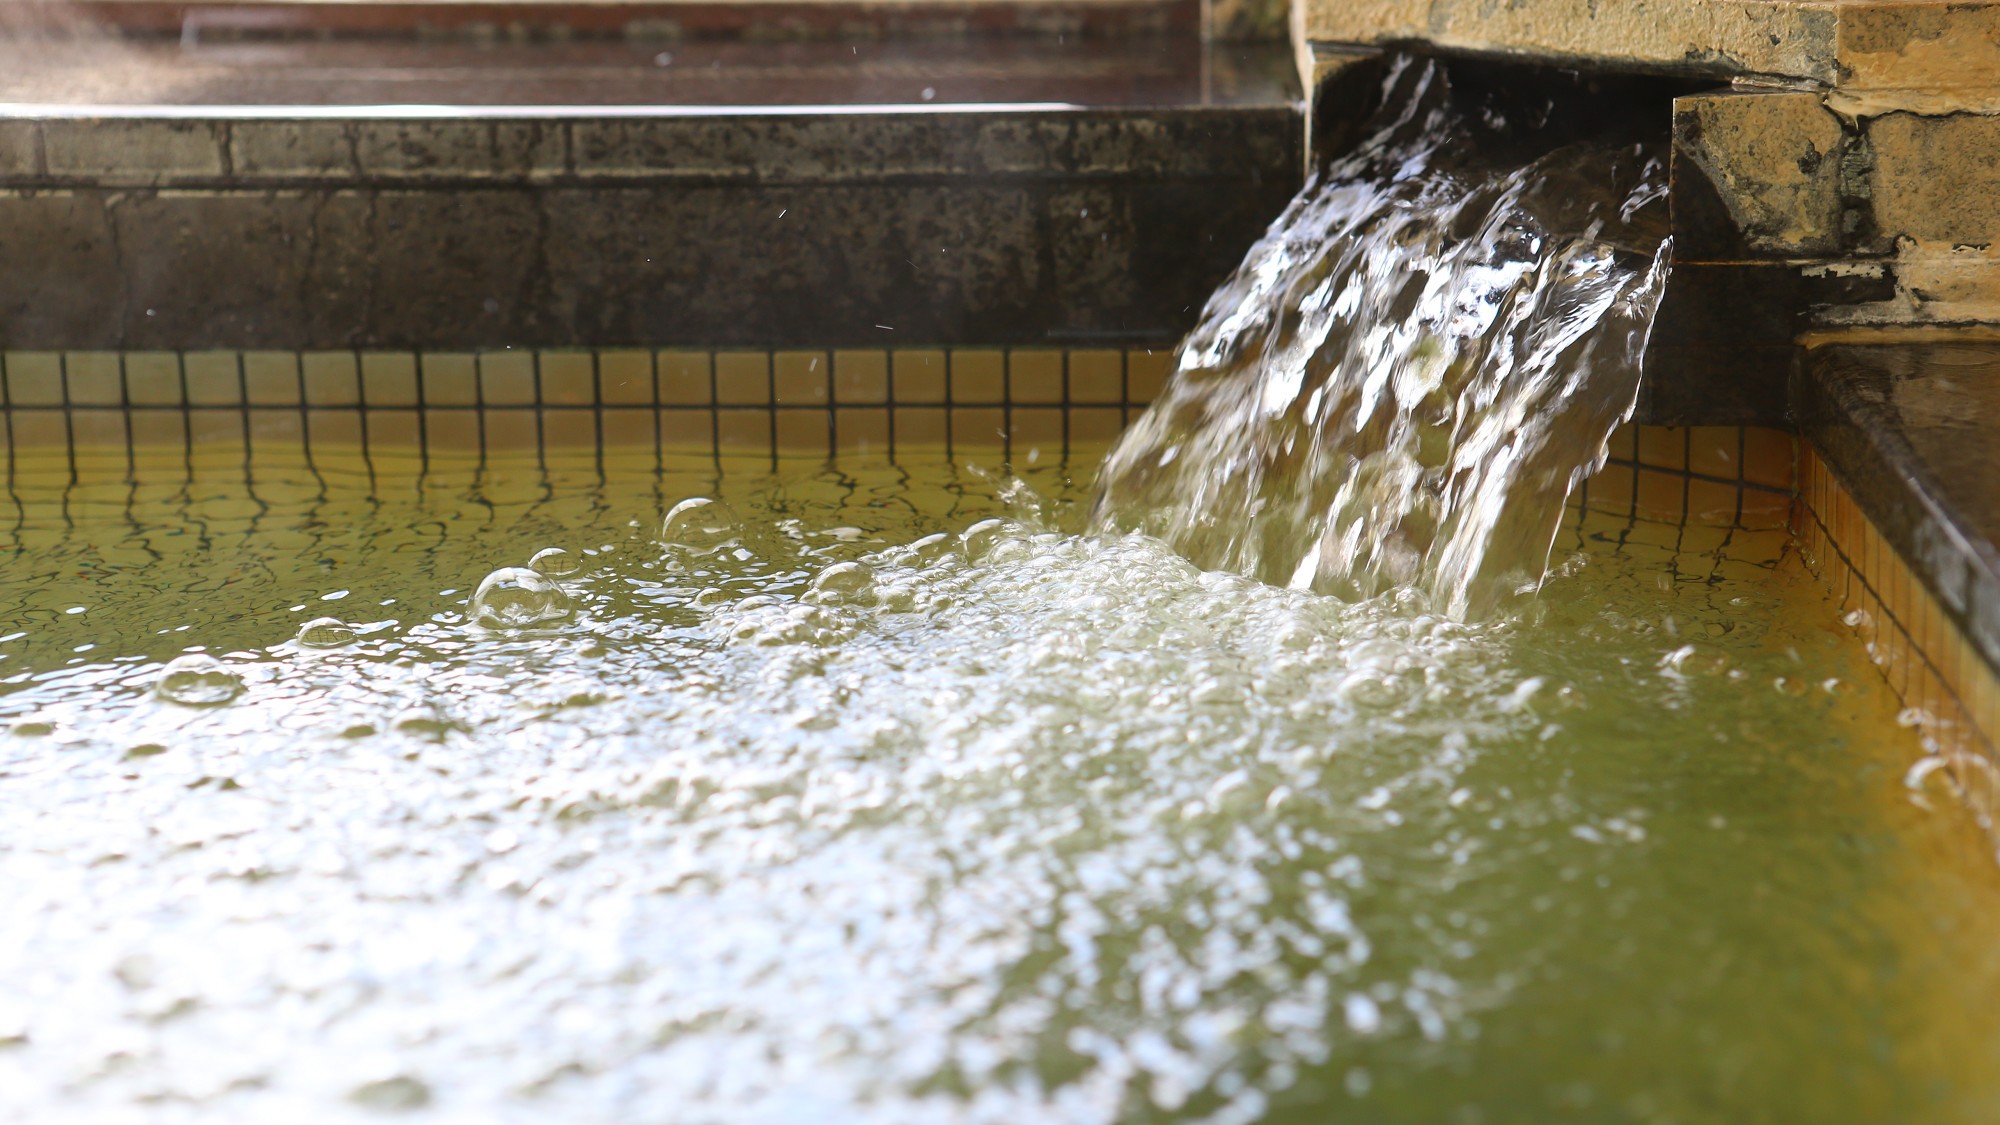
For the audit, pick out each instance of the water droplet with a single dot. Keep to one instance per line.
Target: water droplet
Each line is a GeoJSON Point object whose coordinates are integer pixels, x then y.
{"type": "Point", "coordinates": [326, 632]}
{"type": "Point", "coordinates": [554, 562]}
{"type": "Point", "coordinates": [515, 597]}
{"type": "Point", "coordinates": [198, 680]}
{"type": "Point", "coordinates": [701, 525]}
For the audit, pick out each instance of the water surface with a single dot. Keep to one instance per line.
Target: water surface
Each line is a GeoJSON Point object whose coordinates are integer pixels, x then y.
{"type": "Point", "coordinates": [1019, 823]}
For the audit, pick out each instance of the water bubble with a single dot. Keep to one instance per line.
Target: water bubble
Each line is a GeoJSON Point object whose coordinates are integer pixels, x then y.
{"type": "Point", "coordinates": [326, 632]}
{"type": "Point", "coordinates": [515, 597]}
{"type": "Point", "coordinates": [845, 582]}
{"type": "Point", "coordinates": [198, 680]}
{"type": "Point", "coordinates": [979, 540]}
{"type": "Point", "coordinates": [554, 562]}
{"type": "Point", "coordinates": [700, 524]}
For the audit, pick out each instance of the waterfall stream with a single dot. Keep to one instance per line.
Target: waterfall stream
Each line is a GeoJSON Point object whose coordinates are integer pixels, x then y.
{"type": "Point", "coordinates": [1400, 386]}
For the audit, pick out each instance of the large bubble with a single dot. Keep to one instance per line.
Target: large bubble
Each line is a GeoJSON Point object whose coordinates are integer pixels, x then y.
{"type": "Point", "coordinates": [326, 632]}
{"type": "Point", "coordinates": [198, 680]}
{"type": "Point", "coordinates": [515, 597]}
{"type": "Point", "coordinates": [554, 562]}
{"type": "Point", "coordinates": [701, 525]}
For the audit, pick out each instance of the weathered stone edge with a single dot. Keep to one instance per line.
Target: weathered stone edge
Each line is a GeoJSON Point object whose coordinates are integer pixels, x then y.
{"type": "Point", "coordinates": [224, 151]}
{"type": "Point", "coordinates": [1868, 449]}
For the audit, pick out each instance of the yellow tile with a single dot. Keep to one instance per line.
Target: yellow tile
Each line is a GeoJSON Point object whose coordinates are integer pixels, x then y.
{"type": "Point", "coordinates": [1035, 375]}
{"type": "Point", "coordinates": [223, 378]}
{"type": "Point", "coordinates": [389, 378]}
{"type": "Point", "coordinates": [510, 431]}
{"type": "Point", "coordinates": [978, 378]}
{"type": "Point", "coordinates": [975, 428]}
{"type": "Point", "coordinates": [1037, 433]}
{"type": "Point", "coordinates": [94, 428]}
{"type": "Point", "coordinates": [340, 428]}
{"type": "Point", "coordinates": [862, 431]}
{"type": "Point", "coordinates": [507, 378]}
{"type": "Point", "coordinates": [743, 378]}
{"type": "Point", "coordinates": [569, 378]}
{"type": "Point", "coordinates": [685, 378]}
{"type": "Point", "coordinates": [1661, 495]}
{"type": "Point", "coordinates": [918, 427]}
{"type": "Point", "coordinates": [1610, 490]}
{"type": "Point", "coordinates": [1759, 547]}
{"type": "Point", "coordinates": [159, 431]}
{"type": "Point", "coordinates": [153, 378]}
{"type": "Point", "coordinates": [34, 378]}
{"type": "Point", "coordinates": [1090, 425]}
{"type": "Point", "coordinates": [1763, 509]}
{"type": "Point", "coordinates": [1712, 451]}
{"type": "Point", "coordinates": [800, 378]}
{"type": "Point", "coordinates": [625, 426]}
{"type": "Point", "coordinates": [331, 379]}
{"type": "Point", "coordinates": [1146, 371]}
{"type": "Point", "coordinates": [94, 379]}
{"type": "Point", "coordinates": [395, 431]}
{"type": "Point", "coordinates": [1896, 581]}
{"type": "Point", "coordinates": [684, 430]}
{"type": "Point", "coordinates": [1986, 703]}
{"type": "Point", "coordinates": [1096, 375]}
{"type": "Point", "coordinates": [449, 429]}
{"type": "Point", "coordinates": [744, 431]}
{"type": "Point", "coordinates": [1663, 447]}
{"type": "Point", "coordinates": [569, 429]}
{"type": "Point", "coordinates": [278, 444]}
{"type": "Point", "coordinates": [1768, 457]}
{"type": "Point", "coordinates": [1711, 502]}
{"type": "Point", "coordinates": [450, 378]}
{"type": "Point", "coordinates": [625, 378]}
{"type": "Point", "coordinates": [861, 377]}
{"type": "Point", "coordinates": [803, 432]}
{"type": "Point", "coordinates": [919, 377]}
{"type": "Point", "coordinates": [1953, 653]}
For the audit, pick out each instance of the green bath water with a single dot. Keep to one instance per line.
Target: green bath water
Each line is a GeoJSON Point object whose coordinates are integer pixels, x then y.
{"type": "Point", "coordinates": [829, 809]}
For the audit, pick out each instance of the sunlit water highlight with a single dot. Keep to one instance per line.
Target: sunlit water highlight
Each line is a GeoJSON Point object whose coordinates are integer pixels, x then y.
{"type": "Point", "coordinates": [1408, 375]}
{"type": "Point", "coordinates": [884, 794]}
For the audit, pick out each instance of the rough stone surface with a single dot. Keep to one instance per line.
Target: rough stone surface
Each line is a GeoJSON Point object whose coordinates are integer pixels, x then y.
{"type": "Point", "coordinates": [1718, 37]}
{"type": "Point", "coordinates": [1770, 162]}
{"type": "Point", "coordinates": [1908, 45]}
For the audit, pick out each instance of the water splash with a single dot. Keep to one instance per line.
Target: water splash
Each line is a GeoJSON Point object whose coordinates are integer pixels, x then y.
{"type": "Point", "coordinates": [1404, 380]}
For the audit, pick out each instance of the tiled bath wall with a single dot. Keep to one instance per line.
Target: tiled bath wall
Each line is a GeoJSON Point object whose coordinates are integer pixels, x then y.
{"type": "Point", "coordinates": [1950, 695]}
{"type": "Point", "coordinates": [799, 402]}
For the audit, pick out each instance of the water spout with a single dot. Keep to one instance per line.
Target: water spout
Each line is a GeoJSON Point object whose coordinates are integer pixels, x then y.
{"type": "Point", "coordinates": [1406, 377]}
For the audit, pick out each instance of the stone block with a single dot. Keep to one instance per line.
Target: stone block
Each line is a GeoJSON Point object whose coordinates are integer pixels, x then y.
{"type": "Point", "coordinates": [140, 152]}
{"type": "Point", "coordinates": [1757, 174]}
{"type": "Point", "coordinates": [20, 148]}
{"type": "Point", "coordinates": [1883, 45]}
{"type": "Point", "coordinates": [1937, 179]}
{"type": "Point", "coordinates": [1717, 37]}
